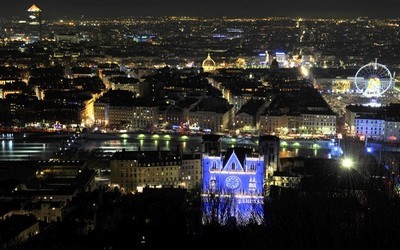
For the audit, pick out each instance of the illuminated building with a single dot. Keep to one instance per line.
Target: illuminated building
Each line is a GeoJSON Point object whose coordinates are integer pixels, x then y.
{"type": "Point", "coordinates": [35, 19]}
{"type": "Point", "coordinates": [271, 123]}
{"type": "Point", "coordinates": [248, 116]}
{"type": "Point", "coordinates": [233, 187]}
{"type": "Point", "coordinates": [209, 64]}
{"type": "Point", "coordinates": [125, 83]}
{"type": "Point", "coordinates": [134, 170]}
{"type": "Point", "coordinates": [134, 112]}
{"type": "Point", "coordinates": [101, 113]}
{"type": "Point", "coordinates": [354, 111]}
{"type": "Point", "coordinates": [213, 113]}
{"type": "Point", "coordinates": [370, 127]}
{"type": "Point", "coordinates": [144, 116]}
{"type": "Point", "coordinates": [286, 180]}
{"type": "Point", "coordinates": [319, 122]}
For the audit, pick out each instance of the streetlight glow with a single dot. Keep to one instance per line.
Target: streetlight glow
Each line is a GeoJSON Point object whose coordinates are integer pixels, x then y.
{"type": "Point", "coordinates": [347, 163]}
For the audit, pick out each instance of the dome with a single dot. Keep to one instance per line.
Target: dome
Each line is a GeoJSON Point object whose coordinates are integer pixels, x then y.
{"type": "Point", "coordinates": [208, 62]}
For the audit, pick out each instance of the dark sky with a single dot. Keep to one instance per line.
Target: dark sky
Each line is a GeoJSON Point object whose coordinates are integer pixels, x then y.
{"type": "Point", "coordinates": [207, 8]}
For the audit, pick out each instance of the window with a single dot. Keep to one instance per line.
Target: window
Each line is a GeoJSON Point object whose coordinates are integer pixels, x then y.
{"type": "Point", "coordinates": [214, 165]}
{"type": "Point", "coordinates": [233, 166]}
{"type": "Point", "coordinates": [213, 183]}
{"type": "Point", "coordinates": [252, 166]}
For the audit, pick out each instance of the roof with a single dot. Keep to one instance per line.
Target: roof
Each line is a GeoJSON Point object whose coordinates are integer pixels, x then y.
{"type": "Point", "coordinates": [251, 107]}
{"type": "Point", "coordinates": [240, 153]}
{"type": "Point", "coordinates": [34, 8]}
{"type": "Point", "coordinates": [148, 156]}
{"type": "Point", "coordinates": [363, 109]}
{"type": "Point", "coordinates": [213, 104]}
{"type": "Point", "coordinates": [191, 156]}
{"type": "Point", "coordinates": [7, 206]}
{"type": "Point", "coordinates": [13, 226]}
{"type": "Point", "coordinates": [211, 137]}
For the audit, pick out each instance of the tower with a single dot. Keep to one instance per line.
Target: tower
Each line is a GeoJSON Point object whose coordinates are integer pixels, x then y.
{"type": "Point", "coordinates": [211, 144]}
{"type": "Point", "coordinates": [35, 20]}
{"type": "Point", "coordinates": [269, 147]}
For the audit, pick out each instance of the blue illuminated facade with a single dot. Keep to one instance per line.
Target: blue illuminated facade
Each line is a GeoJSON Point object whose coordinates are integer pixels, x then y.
{"type": "Point", "coordinates": [233, 187]}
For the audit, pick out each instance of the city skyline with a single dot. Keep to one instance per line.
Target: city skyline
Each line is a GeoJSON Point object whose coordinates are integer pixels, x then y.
{"type": "Point", "coordinates": [207, 8]}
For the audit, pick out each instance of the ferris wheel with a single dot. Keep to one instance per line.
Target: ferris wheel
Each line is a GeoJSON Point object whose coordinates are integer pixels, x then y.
{"type": "Point", "coordinates": [373, 79]}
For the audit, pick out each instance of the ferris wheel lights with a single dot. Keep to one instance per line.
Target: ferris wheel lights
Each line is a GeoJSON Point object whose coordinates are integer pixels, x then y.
{"type": "Point", "coordinates": [373, 79]}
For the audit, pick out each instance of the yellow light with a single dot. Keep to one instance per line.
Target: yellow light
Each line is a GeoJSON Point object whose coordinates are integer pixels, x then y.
{"type": "Point", "coordinates": [305, 71]}
{"type": "Point", "coordinates": [347, 163]}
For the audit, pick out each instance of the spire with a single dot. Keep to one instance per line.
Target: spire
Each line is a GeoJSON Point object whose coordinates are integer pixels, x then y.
{"type": "Point", "coordinates": [209, 56]}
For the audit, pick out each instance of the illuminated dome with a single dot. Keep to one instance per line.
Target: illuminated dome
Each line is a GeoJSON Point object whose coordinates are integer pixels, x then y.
{"type": "Point", "coordinates": [209, 64]}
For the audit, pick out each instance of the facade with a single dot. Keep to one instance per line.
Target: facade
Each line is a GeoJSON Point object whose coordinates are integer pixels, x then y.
{"type": "Point", "coordinates": [354, 111]}
{"type": "Point", "coordinates": [304, 123]}
{"type": "Point", "coordinates": [319, 123]}
{"type": "Point", "coordinates": [134, 170]}
{"type": "Point", "coordinates": [125, 83]}
{"type": "Point", "coordinates": [244, 121]}
{"type": "Point", "coordinates": [213, 113]}
{"type": "Point", "coordinates": [101, 113]}
{"type": "Point", "coordinates": [144, 116]}
{"type": "Point", "coordinates": [139, 116]}
{"type": "Point", "coordinates": [273, 123]}
{"type": "Point", "coordinates": [248, 117]}
{"type": "Point", "coordinates": [286, 180]}
{"type": "Point", "coordinates": [370, 127]}
{"type": "Point", "coordinates": [217, 122]}
{"type": "Point", "coordinates": [119, 115]}
{"type": "Point", "coordinates": [233, 187]}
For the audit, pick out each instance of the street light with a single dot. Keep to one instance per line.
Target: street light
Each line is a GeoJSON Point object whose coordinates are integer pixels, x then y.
{"type": "Point", "coordinates": [347, 163]}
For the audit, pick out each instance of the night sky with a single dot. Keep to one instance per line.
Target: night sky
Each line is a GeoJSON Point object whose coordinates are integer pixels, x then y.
{"type": "Point", "coordinates": [206, 8]}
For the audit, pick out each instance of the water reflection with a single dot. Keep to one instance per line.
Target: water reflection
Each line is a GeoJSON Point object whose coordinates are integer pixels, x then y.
{"type": "Point", "coordinates": [42, 150]}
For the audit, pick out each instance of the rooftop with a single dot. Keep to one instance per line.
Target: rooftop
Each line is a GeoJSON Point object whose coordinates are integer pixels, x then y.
{"type": "Point", "coordinates": [34, 8]}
